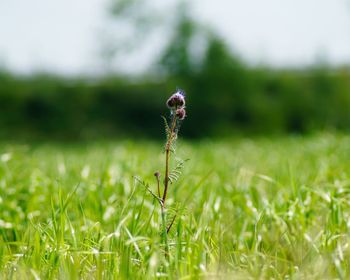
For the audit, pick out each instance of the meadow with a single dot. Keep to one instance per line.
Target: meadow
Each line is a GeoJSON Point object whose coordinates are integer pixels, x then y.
{"type": "Point", "coordinates": [260, 208]}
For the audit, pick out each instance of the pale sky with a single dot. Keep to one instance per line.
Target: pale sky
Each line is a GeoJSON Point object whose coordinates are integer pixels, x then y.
{"type": "Point", "coordinates": [63, 36]}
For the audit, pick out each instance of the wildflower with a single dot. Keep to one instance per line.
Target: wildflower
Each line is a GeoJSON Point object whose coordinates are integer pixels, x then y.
{"type": "Point", "coordinates": [177, 100]}
{"type": "Point", "coordinates": [180, 113]}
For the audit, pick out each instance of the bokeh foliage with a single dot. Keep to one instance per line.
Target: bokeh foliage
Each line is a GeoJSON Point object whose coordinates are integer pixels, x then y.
{"type": "Point", "coordinates": [223, 98]}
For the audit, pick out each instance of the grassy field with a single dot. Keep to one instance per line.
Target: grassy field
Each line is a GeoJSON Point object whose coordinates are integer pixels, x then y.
{"type": "Point", "coordinates": [262, 208]}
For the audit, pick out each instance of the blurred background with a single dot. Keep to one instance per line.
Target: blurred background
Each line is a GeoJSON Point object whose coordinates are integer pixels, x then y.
{"type": "Point", "coordinates": [99, 69]}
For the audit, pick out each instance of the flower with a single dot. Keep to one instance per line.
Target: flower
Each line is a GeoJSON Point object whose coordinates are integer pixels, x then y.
{"type": "Point", "coordinates": [181, 113]}
{"type": "Point", "coordinates": [177, 100]}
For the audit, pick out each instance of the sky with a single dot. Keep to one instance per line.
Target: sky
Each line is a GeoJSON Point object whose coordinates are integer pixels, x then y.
{"type": "Point", "coordinates": [64, 36]}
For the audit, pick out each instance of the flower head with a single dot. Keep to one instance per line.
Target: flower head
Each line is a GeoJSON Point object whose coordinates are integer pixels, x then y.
{"type": "Point", "coordinates": [180, 113]}
{"type": "Point", "coordinates": [177, 100]}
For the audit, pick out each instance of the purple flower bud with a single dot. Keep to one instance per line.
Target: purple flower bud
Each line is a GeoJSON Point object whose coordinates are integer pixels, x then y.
{"type": "Point", "coordinates": [180, 113]}
{"type": "Point", "coordinates": [177, 100]}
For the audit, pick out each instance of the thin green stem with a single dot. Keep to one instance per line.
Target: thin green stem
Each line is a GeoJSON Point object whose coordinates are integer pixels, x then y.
{"type": "Point", "coordinates": [165, 233]}
{"type": "Point", "coordinates": [167, 157]}
{"type": "Point", "coordinates": [171, 224]}
{"type": "Point", "coordinates": [158, 184]}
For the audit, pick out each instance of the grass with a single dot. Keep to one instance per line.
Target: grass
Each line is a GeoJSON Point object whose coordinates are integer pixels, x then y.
{"type": "Point", "coordinates": [263, 208]}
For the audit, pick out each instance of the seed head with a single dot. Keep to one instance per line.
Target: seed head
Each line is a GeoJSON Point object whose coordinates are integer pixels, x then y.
{"type": "Point", "coordinates": [177, 100]}
{"type": "Point", "coordinates": [181, 113]}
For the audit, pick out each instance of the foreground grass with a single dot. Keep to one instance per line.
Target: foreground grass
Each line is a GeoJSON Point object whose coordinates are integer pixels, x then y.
{"type": "Point", "coordinates": [247, 208]}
